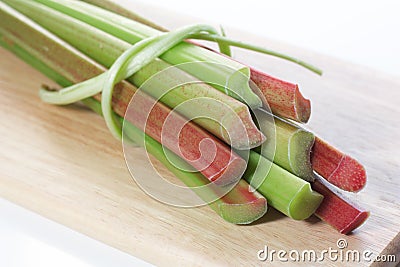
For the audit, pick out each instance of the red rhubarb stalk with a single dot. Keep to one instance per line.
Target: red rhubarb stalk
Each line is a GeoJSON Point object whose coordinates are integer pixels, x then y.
{"type": "Point", "coordinates": [212, 158]}
{"type": "Point", "coordinates": [338, 212]}
{"type": "Point", "coordinates": [337, 168]}
{"type": "Point", "coordinates": [284, 98]}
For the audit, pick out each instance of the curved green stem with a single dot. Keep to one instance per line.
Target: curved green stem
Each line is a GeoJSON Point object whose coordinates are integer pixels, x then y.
{"type": "Point", "coordinates": [125, 66]}
{"type": "Point", "coordinates": [109, 5]}
{"type": "Point", "coordinates": [227, 41]}
{"type": "Point", "coordinates": [118, 72]}
{"type": "Point", "coordinates": [223, 47]}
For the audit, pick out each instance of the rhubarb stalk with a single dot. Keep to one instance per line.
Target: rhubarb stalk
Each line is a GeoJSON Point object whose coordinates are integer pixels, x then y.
{"type": "Point", "coordinates": [337, 168]}
{"type": "Point", "coordinates": [284, 191]}
{"type": "Point", "coordinates": [290, 148]}
{"type": "Point", "coordinates": [338, 212]}
{"type": "Point", "coordinates": [230, 73]}
{"type": "Point", "coordinates": [242, 205]}
{"type": "Point", "coordinates": [283, 98]}
{"type": "Point", "coordinates": [77, 67]}
{"type": "Point", "coordinates": [86, 38]}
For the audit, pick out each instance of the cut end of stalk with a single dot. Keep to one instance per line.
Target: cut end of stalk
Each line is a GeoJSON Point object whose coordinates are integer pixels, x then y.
{"type": "Point", "coordinates": [337, 212]}
{"type": "Point", "coordinates": [304, 203]}
{"type": "Point", "coordinates": [337, 168]}
{"type": "Point", "coordinates": [239, 81]}
{"type": "Point", "coordinates": [300, 144]}
{"type": "Point", "coordinates": [291, 148]}
{"type": "Point", "coordinates": [231, 173]}
{"type": "Point", "coordinates": [350, 175]}
{"type": "Point", "coordinates": [244, 135]}
{"type": "Point", "coordinates": [284, 98]}
{"type": "Point", "coordinates": [302, 107]}
{"type": "Point", "coordinates": [357, 221]}
{"type": "Point", "coordinates": [243, 213]}
{"type": "Point", "coordinates": [242, 205]}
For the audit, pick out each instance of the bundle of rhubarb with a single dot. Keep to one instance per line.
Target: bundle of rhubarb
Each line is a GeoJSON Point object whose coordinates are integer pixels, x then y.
{"type": "Point", "coordinates": [106, 56]}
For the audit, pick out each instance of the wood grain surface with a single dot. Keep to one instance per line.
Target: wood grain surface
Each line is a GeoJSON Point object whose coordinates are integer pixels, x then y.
{"type": "Point", "coordinates": [62, 163]}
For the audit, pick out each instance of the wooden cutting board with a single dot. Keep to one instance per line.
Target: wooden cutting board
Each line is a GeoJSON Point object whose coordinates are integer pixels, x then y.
{"type": "Point", "coordinates": [62, 163]}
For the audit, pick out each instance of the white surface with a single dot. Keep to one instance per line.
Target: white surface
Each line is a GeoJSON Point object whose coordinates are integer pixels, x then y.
{"type": "Point", "coordinates": [364, 32]}
{"type": "Point", "coordinates": [27, 239]}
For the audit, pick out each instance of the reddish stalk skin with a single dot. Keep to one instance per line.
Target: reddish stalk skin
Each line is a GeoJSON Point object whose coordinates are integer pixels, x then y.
{"type": "Point", "coordinates": [337, 212]}
{"type": "Point", "coordinates": [222, 167]}
{"type": "Point", "coordinates": [245, 194]}
{"type": "Point", "coordinates": [251, 137]}
{"type": "Point", "coordinates": [337, 168]}
{"type": "Point", "coordinates": [283, 98]}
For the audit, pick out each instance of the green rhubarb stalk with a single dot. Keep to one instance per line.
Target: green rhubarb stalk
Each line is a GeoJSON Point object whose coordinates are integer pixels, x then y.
{"type": "Point", "coordinates": [291, 147]}
{"type": "Point", "coordinates": [284, 191]}
{"type": "Point", "coordinates": [17, 50]}
{"type": "Point", "coordinates": [87, 38]}
{"type": "Point", "coordinates": [233, 74]}
{"type": "Point", "coordinates": [239, 206]}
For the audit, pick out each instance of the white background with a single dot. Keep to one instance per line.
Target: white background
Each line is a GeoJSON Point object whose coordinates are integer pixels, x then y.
{"type": "Point", "coordinates": [362, 32]}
